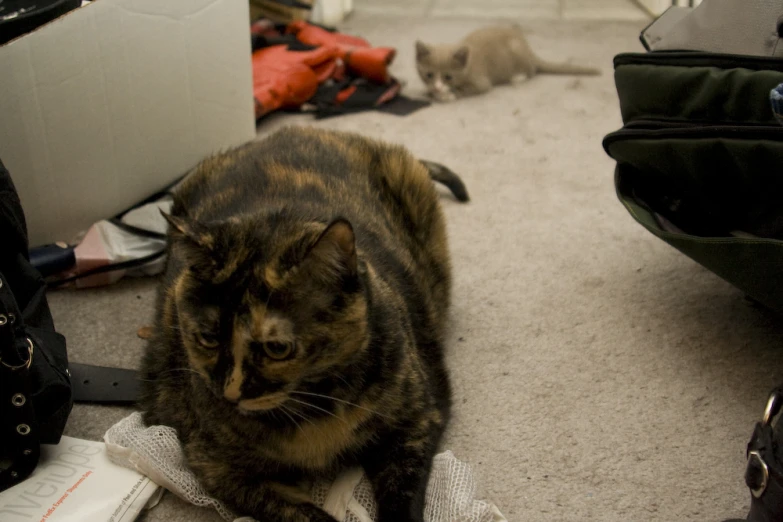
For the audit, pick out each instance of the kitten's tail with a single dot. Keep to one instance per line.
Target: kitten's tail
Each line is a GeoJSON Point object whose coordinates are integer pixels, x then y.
{"type": "Point", "coordinates": [545, 67]}
{"type": "Point", "coordinates": [444, 175]}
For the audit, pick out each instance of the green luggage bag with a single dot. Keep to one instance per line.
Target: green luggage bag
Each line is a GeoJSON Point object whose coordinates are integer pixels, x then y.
{"type": "Point", "coordinates": [700, 161]}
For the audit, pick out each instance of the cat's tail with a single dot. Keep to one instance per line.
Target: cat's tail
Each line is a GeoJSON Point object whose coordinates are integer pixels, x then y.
{"type": "Point", "coordinates": [444, 175]}
{"type": "Point", "coordinates": [545, 67]}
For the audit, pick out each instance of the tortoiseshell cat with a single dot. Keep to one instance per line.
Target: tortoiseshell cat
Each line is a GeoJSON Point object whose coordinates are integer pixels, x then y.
{"type": "Point", "coordinates": [301, 320]}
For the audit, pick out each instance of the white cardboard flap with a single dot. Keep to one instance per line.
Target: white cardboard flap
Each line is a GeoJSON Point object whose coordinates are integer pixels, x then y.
{"type": "Point", "coordinates": [113, 101]}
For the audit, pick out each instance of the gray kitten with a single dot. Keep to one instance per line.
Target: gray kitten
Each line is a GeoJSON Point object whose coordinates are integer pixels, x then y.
{"type": "Point", "coordinates": [486, 57]}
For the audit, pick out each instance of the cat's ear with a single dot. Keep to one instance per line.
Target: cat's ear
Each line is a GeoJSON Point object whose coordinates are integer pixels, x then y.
{"type": "Point", "coordinates": [332, 257]}
{"type": "Point", "coordinates": [198, 243]}
{"type": "Point", "coordinates": [191, 230]}
{"type": "Point", "coordinates": [422, 50]}
{"type": "Point", "coordinates": [460, 56]}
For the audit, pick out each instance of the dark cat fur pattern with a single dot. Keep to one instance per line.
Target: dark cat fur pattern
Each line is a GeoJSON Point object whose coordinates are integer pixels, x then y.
{"type": "Point", "coordinates": [300, 323]}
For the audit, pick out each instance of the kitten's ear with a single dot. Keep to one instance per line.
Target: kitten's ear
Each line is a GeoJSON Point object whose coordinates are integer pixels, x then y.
{"type": "Point", "coordinates": [333, 256]}
{"type": "Point", "coordinates": [422, 50]}
{"type": "Point", "coordinates": [460, 56]}
{"type": "Point", "coordinates": [189, 229]}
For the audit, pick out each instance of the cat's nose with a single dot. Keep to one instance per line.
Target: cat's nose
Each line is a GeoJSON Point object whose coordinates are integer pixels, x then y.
{"type": "Point", "coordinates": [232, 393]}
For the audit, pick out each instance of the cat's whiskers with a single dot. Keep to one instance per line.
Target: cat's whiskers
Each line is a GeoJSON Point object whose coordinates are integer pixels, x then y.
{"type": "Point", "coordinates": [342, 401]}
{"type": "Point", "coordinates": [268, 298]}
{"type": "Point", "coordinates": [175, 327]}
{"type": "Point", "coordinates": [299, 414]}
{"type": "Point", "coordinates": [337, 375]}
{"type": "Point", "coordinates": [283, 409]}
{"type": "Point", "coordinates": [318, 408]}
{"type": "Point", "coordinates": [170, 371]}
{"type": "Point", "coordinates": [180, 370]}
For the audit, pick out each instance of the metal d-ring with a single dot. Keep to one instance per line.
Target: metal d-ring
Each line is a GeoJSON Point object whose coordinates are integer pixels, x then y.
{"type": "Point", "coordinates": [25, 364]}
{"type": "Point", "coordinates": [772, 409]}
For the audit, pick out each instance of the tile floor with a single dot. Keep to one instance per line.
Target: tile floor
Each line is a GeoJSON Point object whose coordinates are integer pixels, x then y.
{"type": "Point", "coordinates": [516, 9]}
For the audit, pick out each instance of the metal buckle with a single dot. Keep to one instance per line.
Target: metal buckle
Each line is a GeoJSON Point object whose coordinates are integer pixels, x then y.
{"type": "Point", "coordinates": [25, 364]}
{"type": "Point", "coordinates": [757, 492]}
{"type": "Point", "coordinates": [772, 409]}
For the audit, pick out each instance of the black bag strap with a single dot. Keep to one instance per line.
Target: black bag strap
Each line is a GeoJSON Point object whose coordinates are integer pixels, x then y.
{"type": "Point", "coordinates": [20, 431]}
{"type": "Point", "coordinates": [35, 391]}
{"type": "Point", "coordinates": [106, 385]}
{"type": "Point", "coordinates": [764, 471]}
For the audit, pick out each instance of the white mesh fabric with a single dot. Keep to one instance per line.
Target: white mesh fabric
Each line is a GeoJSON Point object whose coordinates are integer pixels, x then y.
{"type": "Point", "coordinates": [451, 493]}
{"type": "Point", "coordinates": [320, 491]}
{"type": "Point", "coordinates": [156, 452]}
{"type": "Point", "coordinates": [365, 497]}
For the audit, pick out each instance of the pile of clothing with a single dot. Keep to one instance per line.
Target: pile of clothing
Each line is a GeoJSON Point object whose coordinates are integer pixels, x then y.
{"type": "Point", "coordinates": [305, 66]}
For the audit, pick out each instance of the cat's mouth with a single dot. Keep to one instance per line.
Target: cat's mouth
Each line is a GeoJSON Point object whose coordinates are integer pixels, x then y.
{"type": "Point", "coordinates": [263, 403]}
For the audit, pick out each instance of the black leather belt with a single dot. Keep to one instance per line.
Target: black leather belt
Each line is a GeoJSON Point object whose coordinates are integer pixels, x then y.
{"type": "Point", "coordinates": [104, 385]}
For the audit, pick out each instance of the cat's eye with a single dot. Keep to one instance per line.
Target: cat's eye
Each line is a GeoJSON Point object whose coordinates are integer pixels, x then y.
{"type": "Point", "coordinates": [429, 76]}
{"type": "Point", "coordinates": [447, 77]}
{"type": "Point", "coordinates": [278, 351]}
{"type": "Point", "coordinates": [207, 340]}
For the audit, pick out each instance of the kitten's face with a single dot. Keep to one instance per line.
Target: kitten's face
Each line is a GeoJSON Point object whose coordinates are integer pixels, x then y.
{"type": "Point", "coordinates": [259, 326]}
{"type": "Point", "coordinates": [442, 68]}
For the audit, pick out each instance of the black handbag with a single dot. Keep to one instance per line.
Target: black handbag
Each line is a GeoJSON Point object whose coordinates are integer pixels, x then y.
{"type": "Point", "coordinates": [35, 386]}
{"type": "Point", "coordinates": [764, 469]}
{"type": "Point", "coordinates": [38, 385]}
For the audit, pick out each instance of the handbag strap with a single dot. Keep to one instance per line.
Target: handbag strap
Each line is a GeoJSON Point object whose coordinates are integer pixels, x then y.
{"type": "Point", "coordinates": [764, 471]}
{"type": "Point", "coordinates": [19, 428]}
{"type": "Point", "coordinates": [105, 385]}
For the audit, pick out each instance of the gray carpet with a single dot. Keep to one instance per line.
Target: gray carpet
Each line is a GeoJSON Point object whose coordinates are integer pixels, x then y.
{"type": "Point", "coordinates": [598, 373]}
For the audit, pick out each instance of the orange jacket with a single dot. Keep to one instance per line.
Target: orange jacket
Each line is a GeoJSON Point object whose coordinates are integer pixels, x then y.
{"type": "Point", "coordinates": [285, 79]}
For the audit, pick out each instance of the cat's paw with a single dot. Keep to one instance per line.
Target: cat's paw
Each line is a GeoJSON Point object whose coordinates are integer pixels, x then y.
{"type": "Point", "coordinates": [316, 514]}
{"type": "Point", "coordinates": [445, 97]}
{"type": "Point", "coordinates": [399, 517]}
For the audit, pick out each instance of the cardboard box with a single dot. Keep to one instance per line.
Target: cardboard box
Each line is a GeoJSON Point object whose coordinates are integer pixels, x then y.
{"type": "Point", "coordinates": [113, 101]}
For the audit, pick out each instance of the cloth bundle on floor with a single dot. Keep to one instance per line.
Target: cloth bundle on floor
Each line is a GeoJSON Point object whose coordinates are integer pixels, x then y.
{"type": "Point", "coordinates": [303, 63]}
{"type": "Point", "coordinates": [156, 452]}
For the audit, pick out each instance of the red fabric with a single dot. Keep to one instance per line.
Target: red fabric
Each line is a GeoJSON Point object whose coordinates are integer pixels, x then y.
{"type": "Point", "coordinates": [345, 94]}
{"type": "Point", "coordinates": [370, 62]}
{"type": "Point", "coordinates": [284, 79]}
